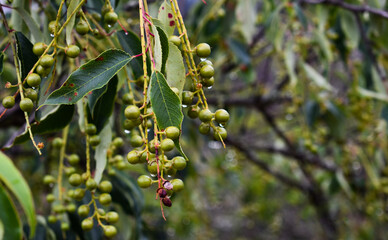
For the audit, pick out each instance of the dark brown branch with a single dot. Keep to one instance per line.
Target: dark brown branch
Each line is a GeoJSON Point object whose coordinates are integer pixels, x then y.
{"type": "Point", "coordinates": [350, 7]}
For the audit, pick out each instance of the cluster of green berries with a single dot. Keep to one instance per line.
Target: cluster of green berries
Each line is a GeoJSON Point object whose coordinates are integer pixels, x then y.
{"type": "Point", "coordinates": [91, 130]}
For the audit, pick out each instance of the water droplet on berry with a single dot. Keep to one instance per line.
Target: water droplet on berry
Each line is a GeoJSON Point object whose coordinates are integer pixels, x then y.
{"type": "Point", "coordinates": [152, 175]}
{"type": "Point", "coordinates": [51, 35]}
{"type": "Point", "coordinates": [185, 106]}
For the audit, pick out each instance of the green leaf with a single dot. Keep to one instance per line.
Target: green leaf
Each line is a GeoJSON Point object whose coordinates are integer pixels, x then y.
{"type": "Point", "coordinates": [165, 103]}
{"type": "Point", "coordinates": [375, 95]}
{"type": "Point", "coordinates": [302, 18]}
{"type": "Point", "coordinates": [161, 48]}
{"type": "Point", "coordinates": [324, 44]}
{"type": "Point", "coordinates": [10, 216]}
{"type": "Point", "coordinates": [101, 150]}
{"type": "Point", "coordinates": [350, 28]}
{"type": "Point", "coordinates": [1, 62]}
{"type": "Point", "coordinates": [14, 181]}
{"type": "Point", "coordinates": [95, 96]}
{"type": "Point", "coordinates": [175, 68]}
{"type": "Point", "coordinates": [26, 57]}
{"type": "Point", "coordinates": [72, 6]}
{"type": "Point", "coordinates": [312, 110]}
{"type": "Point", "coordinates": [33, 27]}
{"type": "Point", "coordinates": [166, 17]}
{"type": "Point", "coordinates": [54, 121]}
{"type": "Point", "coordinates": [130, 42]}
{"type": "Point", "coordinates": [246, 17]}
{"type": "Point", "coordinates": [94, 74]}
{"type": "Point", "coordinates": [104, 106]}
{"type": "Point", "coordinates": [316, 77]}
{"type": "Point", "coordinates": [289, 58]}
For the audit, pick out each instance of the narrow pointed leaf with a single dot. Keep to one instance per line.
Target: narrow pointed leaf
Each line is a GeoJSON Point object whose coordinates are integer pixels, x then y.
{"type": "Point", "coordinates": [94, 74]}
{"type": "Point", "coordinates": [9, 216]}
{"type": "Point", "coordinates": [26, 57]}
{"type": "Point", "coordinates": [101, 150]}
{"type": "Point", "coordinates": [166, 17]}
{"type": "Point", "coordinates": [14, 181]}
{"type": "Point", "coordinates": [72, 6]}
{"type": "Point", "coordinates": [316, 77]}
{"type": "Point", "coordinates": [175, 68]}
{"type": "Point", "coordinates": [33, 27]}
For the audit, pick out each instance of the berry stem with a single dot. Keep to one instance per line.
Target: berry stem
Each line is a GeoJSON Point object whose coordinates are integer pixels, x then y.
{"type": "Point", "coordinates": [65, 134]}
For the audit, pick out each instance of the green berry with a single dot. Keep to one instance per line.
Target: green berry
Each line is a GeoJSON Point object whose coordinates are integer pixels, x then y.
{"type": "Point", "coordinates": [51, 27]}
{"type": "Point", "coordinates": [187, 97]}
{"type": "Point", "coordinates": [112, 217]}
{"type": "Point", "coordinates": [91, 184]}
{"type": "Point", "coordinates": [205, 115]}
{"type": "Point", "coordinates": [132, 112]}
{"type": "Point", "coordinates": [179, 163]}
{"type": "Point", "coordinates": [69, 171]}
{"type": "Point", "coordinates": [70, 208]}
{"type": "Point", "coordinates": [8, 102]}
{"type": "Point", "coordinates": [152, 167]}
{"type": "Point", "coordinates": [193, 112]}
{"type": "Point", "coordinates": [177, 184]}
{"type": "Point", "coordinates": [33, 80]}
{"type": "Point", "coordinates": [82, 27]}
{"type": "Point", "coordinates": [73, 159]}
{"type": "Point", "coordinates": [110, 17]}
{"type": "Point", "coordinates": [118, 142]}
{"type": "Point", "coordinates": [57, 142]}
{"type": "Point", "coordinates": [65, 226]}
{"type": "Point", "coordinates": [110, 231]}
{"type": "Point", "coordinates": [207, 71]}
{"type": "Point", "coordinates": [72, 51]}
{"type": "Point", "coordinates": [151, 146]}
{"type": "Point", "coordinates": [52, 219]}
{"type": "Point", "coordinates": [136, 141]}
{"type": "Point", "coordinates": [26, 105]}
{"type": "Point", "coordinates": [43, 72]}
{"type": "Point", "coordinates": [75, 179]}
{"type": "Point", "coordinates": [50, 198]}
{"type": "Point", "coordinates": [172, 132]}
{"type": "Point", "coordinates": [91, 129]}
{"type": "Point", "coordinates": [87, 224]}
{"type": "Point", "coordinates": [46, 61]}
{"type": "Point", "coordinates": [79, 194]}
{"type": "Point", "coordinates": [208, 82]}
{"type": "Point", "coordinates": [203, 50]}
{"type": "Point", "coordinates": [144, 181]}
{"type": "Point", "coordinates": [83, 210]}
{"type": "Point", "coordinates": [101, 211]}
{"type": "Point", "coordinates": [220, 132]}
{"type": "Point", "coordinates": [105, 199]}
{"type": "Point", "coordinates": [127, 99]}
{"type": "Point", "coordinates": [167, 145]}
{"type": "Point", "coordinates": [221, 116]}
{"type": "Point", "coordinates": [94, 140]}
{"type": "Point", "coordinates": [59, 208]}
{"type": "Point", "coordinates": [203, 63]}
{"type": "Point", "coordinates": [204, 128]}
{"type": "Point", "coordinates": [48, 179]}
{"type": "Point", "coordinates": [133, 157]}
{"type": "Point", "coordinates": [105, 186]}
{"type": "Point", "coordinates": [39, 48]}
{"type": "Point", "coordinates": [31, 94]}
{"type": "Point", "coordinates": [175, 40]}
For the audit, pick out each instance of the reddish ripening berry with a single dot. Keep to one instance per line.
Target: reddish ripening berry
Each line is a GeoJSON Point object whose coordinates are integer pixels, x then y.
{"type": "Point", "coordinates": [167, 202]}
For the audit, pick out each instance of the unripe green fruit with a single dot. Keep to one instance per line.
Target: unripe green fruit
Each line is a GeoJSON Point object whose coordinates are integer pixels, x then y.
{"type": "Point", "coordinates": [94, 140]}
{"type": "Point", "coordinates": [70, 193]}
{"type": "Point", "coordinates": [79, 194]}
{"type": "Point", "coordinates": [50, 198]}
{"type": "Point", "coordinates": [207, 71]}
{"type": "Point", "coordinates": [65, 226]}
{"type": "Point", "coordinates": [91, 184]}
{"type": "Point", "coordinates": [203, 63]}
{"type": "Point", "coordinates": [69, 171]}
{"type": "Point", "coordinates": [110, 231]}
{"type": "Point", "coordinates": [72, 51]}
{"type": "Point", "coordinates": [220, 132]}
{"type": "Point", "coordinates": [177, 184]}
{"type": "Point", "coordinates": [121, 165]}
{"type": "Point", "coordinates": [105, 186]}
{"type": "Point", "coordinates": [179, 163]}
{"type": "Point", "coordinates": [193, 112]}
{"type": "Point", "coordinates": [110, 18]}
{"type": "Point", "coordinates": [187, 97]}
{"type": "Point", "coordinates": [46, 61]}
{"type": "Point", "coordinates": [152, 168]}
{"type": "Point", "coordinates": [136, 141]}
{"type": "Point", "coordinates": [143, 157]}
{"type": "Point", "coordinates": [83, 210]}
{"type": "Point", "coordinates": [87, 224]}
{"type": "Point", "coordinates": [221, 116]}
{"type": "Point", "coordinates": [208, 82]}
{"type": "Point", "coordinates": [203, 50]}
{"type": "Point", "coordinates": [31, 94]}
{"type": "Point", "coordinates": [105, 199]}
{"type": "Point", "coordinates": [118, 142]}
{"type": "Point", "coordinates": [112, 217]}
{"type": "Point", "coordinates": [70, 208]}
{"type": "Point", "coordinates": [171, 171]}
{"type": "Point", "coordinates": [26, 105]}
{"type": "Point", "coordinates": [82, 27]}
{"type": "Point", "coordinates": [48, 179]}
{"type": "Point", "coordinates": [127, 99]}
{"type": "Point", "coordinates": [39, 48]}
{"type": "Point", "coordinates": [75, 179]}
{"type": "Point", "coordinates": [59, 208]}
{"type": "Point", "coordinates": [204, 128]}
{"type": "Point", "coordinates": [132, 112]}
{"type": "Point", "coordinates": [33, 80]}
{"type": "Point", "coordinates": [133, 157]}
{"type": "Point", "coordinates": [52, 219]}
{"type": "Point", "coordinates": [172, 132]}
{"type": "Point", "coordinates": [43, 72]}
{"type": "Point", "coordinates": [205, 115]}
{"type": "Point", "coordinates": [57, 142]}
{"type": "Point", "coordinates": [101, 211]}
{"type": "Point", "coordinates": [91, 129]}
{"type": "Point", "coordinates": [151, 146]}
{"type": "Point", "coordinates": [144, 181]}
{"type": "Point", "coordinates": [51, 27]}
{"type": "Point", "coordinates": [73, 159]}
{"type": "Point", "coordinates": [175, 40]}
{"type": "Point", "coordinates": [8, 102]}
{"type": "Point", "coordinates": [167, 145]}
{"type": "Point", "coordinates": [118, 158]}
